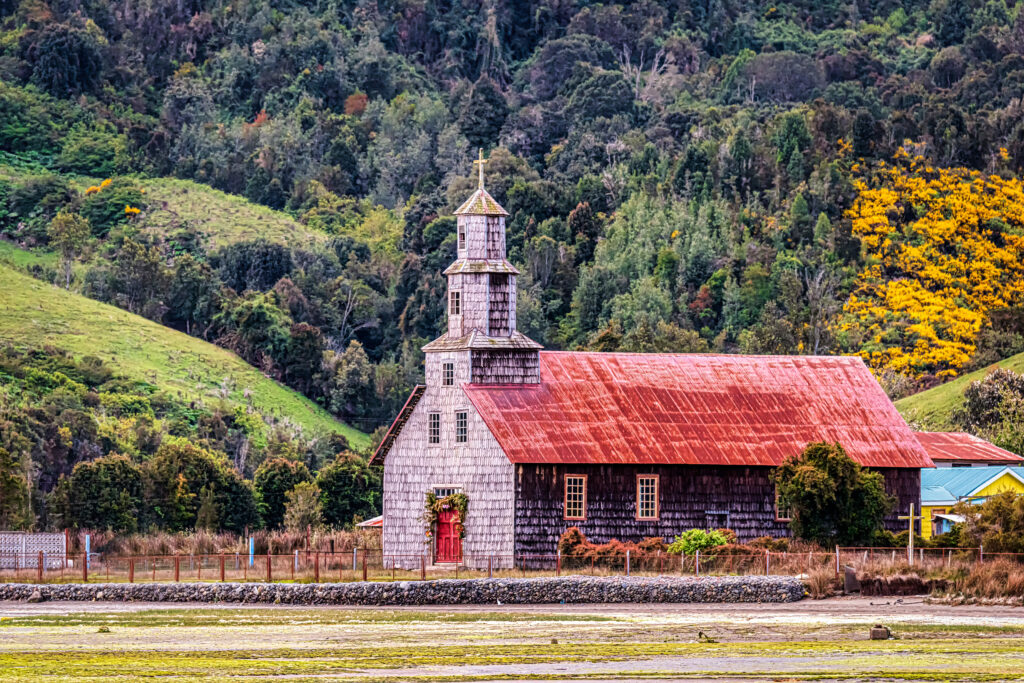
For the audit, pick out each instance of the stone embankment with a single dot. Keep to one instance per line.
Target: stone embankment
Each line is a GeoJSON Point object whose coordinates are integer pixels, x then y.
{"type": "Point", "coordinates": [440, 592]}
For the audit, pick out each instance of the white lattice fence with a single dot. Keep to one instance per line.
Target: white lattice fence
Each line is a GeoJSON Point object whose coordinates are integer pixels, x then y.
{"type": "Point", "coordinates": [20, 549]}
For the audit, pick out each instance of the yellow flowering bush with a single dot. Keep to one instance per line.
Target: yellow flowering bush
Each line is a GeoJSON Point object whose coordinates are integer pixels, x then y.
{"type": "Point", "coordinates": [942, 248]}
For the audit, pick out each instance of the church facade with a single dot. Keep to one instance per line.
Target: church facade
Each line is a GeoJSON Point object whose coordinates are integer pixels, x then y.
{"type": "Point", "coordinates": [620, 445]}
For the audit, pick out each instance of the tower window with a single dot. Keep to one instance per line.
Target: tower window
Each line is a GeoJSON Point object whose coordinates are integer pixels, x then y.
{"type": "Point", "coordinates": [448, 374]}
{"type": "Point", "coordinates": [434, 428]}
{"type": "Point", "coordinates": [460, 427]}
{"type": "Point", "coordinates": [455, 306]}
{"type": "Point", "coordinates": [462, 238]}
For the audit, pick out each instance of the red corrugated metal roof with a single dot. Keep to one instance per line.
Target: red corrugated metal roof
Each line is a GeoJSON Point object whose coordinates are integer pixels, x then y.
{"type": "Point", "coordinates": [695, 409]}
{"type": "Point", "coordinates": [960, 446]}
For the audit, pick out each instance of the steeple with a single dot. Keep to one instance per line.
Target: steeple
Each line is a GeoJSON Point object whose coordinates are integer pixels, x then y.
{"type": "Point", "coordinates": [482, 296]}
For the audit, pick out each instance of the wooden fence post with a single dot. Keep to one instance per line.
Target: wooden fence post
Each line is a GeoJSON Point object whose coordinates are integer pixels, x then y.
{"type": "Point", "coordinates": [222, 567]}
{"type": "Point", "coordinates": [177, 568]}
{"type": "Point", "coordinates": [558, 564]}
{"type": "Point", "coordinates": [316, 567]}
{"type": "Point", "coordinates": [269, 577]}
{"type": "Point", "coordinates": [767, 561]}
{"type": "Point", "coordinates": [39, 568]}
{"type": "Point", "coordinates": [364, 564]}
{"type": "Point", "coordinates": [85, 569]}
{"type": "Point", "coordinates": [131, 570]}
{"type": "Point", "coordinates": [423, 567]}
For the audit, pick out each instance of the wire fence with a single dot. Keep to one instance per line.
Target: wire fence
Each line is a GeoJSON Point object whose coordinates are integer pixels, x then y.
{"type": "Point", "coordinates": [372, 565]}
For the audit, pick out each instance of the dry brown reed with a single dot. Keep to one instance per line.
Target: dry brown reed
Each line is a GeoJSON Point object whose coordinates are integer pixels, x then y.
{"type": "Point", "coordinates": [202, 542]}
{"type": "Point", "coordinates": [994, 579]}
{"type": "Point", "coordinates": [822, 583]}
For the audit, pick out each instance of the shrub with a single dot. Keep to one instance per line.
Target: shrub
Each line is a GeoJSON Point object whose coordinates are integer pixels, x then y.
{"type": "Point", "coordinates": [349, 488]}
{"type": "Point", "coordinates": [273, 480]}
{"type": "Point", "coordinates": [303, 509]}
{"type": "Point", "coordinates": [573, 543]}
{"type": "Point", "coordinates": [832, 498]}
{"type": "Point", "coordinates": [104, 205]}
{"type": "Point", "coordinates": [689, 542]}
{"type": "Point", "coordinates": [103, 494]}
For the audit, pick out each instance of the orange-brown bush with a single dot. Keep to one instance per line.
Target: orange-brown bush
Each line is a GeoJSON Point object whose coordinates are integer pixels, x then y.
{"type": "Point", "coordinates": [574, 544]}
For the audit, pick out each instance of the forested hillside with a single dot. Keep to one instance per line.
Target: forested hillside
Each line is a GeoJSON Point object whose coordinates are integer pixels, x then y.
{"type": "Point", "coordinates": [799, 177]}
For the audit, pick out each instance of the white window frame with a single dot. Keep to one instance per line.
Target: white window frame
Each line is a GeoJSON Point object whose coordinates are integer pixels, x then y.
{"type": "Point", "coordinates": [455, 302]}
{"type": "Point", "coordinates": [461, 426]}
{"type": "Point", "coordinates": [433, 428]}
{"type": "Point", "coordinates": [448, 374]}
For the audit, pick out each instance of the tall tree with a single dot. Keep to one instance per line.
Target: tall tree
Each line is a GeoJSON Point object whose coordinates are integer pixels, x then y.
{"type": "Point", "coordinates": [68, 234]}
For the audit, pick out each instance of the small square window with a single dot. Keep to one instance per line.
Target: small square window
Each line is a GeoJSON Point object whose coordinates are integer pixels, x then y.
{"type": "Point", "coordinates": [448, 374]}
{"type": "Point", "coordinates": [455, 305]}
{"type": "Point", "coordinates": [434, 428]}
{"type": "Point", "coordinates": [647, 497]}
{"type": "Point", "coordinates": [462, 238]}
{"type": "Point", "coordinates": [460, 427]}
{"type": "Point", "coordinates": [575, 496]}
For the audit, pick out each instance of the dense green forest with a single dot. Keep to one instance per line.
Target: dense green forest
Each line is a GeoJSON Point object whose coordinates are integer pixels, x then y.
{"type": "Point", "coordinates": [723, 175]}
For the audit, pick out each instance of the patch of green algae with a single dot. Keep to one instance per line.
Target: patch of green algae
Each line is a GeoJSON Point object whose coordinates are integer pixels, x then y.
{"type": "Point", "coordinates": [393, 645]}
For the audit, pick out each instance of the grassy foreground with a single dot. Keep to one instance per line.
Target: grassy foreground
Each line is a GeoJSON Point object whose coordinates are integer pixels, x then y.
{"type": "Point", "coordinates": [34, 313]}
{"type": "Point", "coordinates": [390, 645]}
{"type": "Point", "coordinates": [931, 409]}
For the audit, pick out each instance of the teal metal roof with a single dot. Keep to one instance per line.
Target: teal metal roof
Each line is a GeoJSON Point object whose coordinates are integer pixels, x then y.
{"type": "Point", "coordinates": [952, 483]}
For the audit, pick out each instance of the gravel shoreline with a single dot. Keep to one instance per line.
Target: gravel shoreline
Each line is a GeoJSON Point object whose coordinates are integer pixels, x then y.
{"type": "Point", "coordinates": [568, 590]}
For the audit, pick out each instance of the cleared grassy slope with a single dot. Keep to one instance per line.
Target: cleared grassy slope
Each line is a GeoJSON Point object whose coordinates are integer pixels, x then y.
{"type": "Point", "coordinates": [931, 409]}
{"type": "Point", "coordinates": [220, 217]}
{"type": "Point", "coordinates": [33, 313]}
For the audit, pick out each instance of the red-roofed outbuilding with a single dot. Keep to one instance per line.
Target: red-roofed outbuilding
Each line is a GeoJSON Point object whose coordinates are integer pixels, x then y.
{"type": "Point", "coordinates": [959, 449]}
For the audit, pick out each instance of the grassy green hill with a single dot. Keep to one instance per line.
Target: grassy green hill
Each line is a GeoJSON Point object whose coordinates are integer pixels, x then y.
{"type": "Point", "coordinates": [931, 409]}
{"type": "Point", "coordinates": [35, 313]}
{"type": "Point", "coordinates": [220, 217]}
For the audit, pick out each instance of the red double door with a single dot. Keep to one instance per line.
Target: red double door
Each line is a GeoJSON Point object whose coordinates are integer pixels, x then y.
{"type": "Point", "coordinates": [449, 545]}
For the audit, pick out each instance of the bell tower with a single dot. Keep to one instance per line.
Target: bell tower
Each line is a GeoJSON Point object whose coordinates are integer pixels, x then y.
{"type": "Point", "coordinates": [482, 337]}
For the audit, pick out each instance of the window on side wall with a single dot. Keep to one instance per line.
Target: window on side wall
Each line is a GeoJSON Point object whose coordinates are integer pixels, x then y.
{"type": "Point", "coordinates": [783, 512]}
{"type": "Point", "coordinates": [462, 238]}
{"type": "Point", "coordinates": [455, 305]}
{"type": "Point", "coordinates": [647, 496]}
{"type": "Point", "coordinates": [434, 428]}
{"type": "Point", "coordinates": [575, 504]}
{"type": "Point", "coordinates": [448, 374]}
{"type": "Point", "coordinates": [461, 423]}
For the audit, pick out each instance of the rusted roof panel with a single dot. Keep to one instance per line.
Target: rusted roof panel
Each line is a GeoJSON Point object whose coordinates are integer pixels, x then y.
{"type": "Point", "coordinates": [963, 447]}
{"type": "Point", "coordinates": [481, 266]}
{"type": "Point", "coordinates": [479, 341]}
{"type": "Point", "coordinates": [695, 409]}
{"type": "Point", "coordinates": [396, 427]}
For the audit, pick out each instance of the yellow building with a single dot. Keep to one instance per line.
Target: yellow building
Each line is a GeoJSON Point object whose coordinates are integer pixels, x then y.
{"type": "Point", "coordinates": [944, 487]}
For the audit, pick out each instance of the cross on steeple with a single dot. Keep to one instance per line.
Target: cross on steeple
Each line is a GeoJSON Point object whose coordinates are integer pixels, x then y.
{"type": "Point", "coordinates": [481, 161]}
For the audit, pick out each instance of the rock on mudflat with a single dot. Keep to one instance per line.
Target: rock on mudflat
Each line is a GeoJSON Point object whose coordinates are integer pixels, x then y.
{"type": "Point", "coordinates": [574, 589]}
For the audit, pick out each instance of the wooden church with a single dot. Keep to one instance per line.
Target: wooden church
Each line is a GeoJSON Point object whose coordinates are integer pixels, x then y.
{"type": "Point", "coordinates": [620, 445]}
